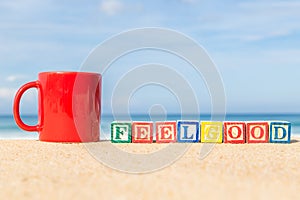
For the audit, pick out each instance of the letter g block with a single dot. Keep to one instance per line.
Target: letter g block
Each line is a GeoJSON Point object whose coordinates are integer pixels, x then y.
{"type": "Point", "coordinates": [211, 132]}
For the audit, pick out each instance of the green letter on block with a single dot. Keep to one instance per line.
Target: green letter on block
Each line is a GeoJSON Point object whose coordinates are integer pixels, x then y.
{"type": "Point", "coordinates": [121, 132]}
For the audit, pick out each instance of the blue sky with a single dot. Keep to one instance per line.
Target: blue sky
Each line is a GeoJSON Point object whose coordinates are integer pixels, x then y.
{"type": "Point", "coordinates": [254, 44]}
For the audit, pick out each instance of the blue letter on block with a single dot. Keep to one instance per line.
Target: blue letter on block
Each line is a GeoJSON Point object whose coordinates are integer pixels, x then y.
{"type": "Point", "coordinates": [188, 131]}
{"type": "Point", "coordinates": [280, 132]}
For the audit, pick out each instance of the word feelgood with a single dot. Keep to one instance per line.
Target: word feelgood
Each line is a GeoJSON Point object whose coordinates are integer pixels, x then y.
{"type": "Point", "coordinates": [205, 131]}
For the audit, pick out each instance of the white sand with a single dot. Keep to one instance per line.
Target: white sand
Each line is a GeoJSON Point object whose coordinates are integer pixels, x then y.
{"type": "Point", "coordinates": [41, 170]}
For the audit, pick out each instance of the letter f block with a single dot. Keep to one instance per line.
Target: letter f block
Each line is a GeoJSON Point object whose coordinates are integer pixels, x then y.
{"type": "Point", "coordinates": [121, 132]}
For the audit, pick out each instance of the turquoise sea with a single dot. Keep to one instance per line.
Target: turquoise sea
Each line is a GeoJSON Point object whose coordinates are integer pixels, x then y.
{"type": "Point", "coordinates": [9, 129]}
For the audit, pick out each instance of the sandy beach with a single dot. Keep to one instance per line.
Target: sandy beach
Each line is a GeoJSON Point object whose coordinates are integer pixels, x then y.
{"type": "Point", "coordinates": [41, 170]}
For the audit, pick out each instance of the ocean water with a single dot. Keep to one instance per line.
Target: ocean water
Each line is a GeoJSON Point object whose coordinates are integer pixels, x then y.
{"type": "Point", "coordinates": [9, 129]}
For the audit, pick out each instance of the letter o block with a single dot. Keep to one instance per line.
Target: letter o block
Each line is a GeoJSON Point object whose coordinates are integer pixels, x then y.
{"type": "Point", "coordinates": [257, 132]}
{"type": "Point", "coordinates": [165, 132]}
{"type": "Point", "coordinates": [142, 132]}
{"type": "Point", "coordinates": [235, 132]}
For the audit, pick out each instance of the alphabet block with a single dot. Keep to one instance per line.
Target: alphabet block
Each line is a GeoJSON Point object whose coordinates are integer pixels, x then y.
{"type": "Point", "coordinates": [121, 132]}
{"type": "Point", "coordinates": [280, 132]}
{"type": "Point", "coordinates": [188, 131]}
{"type": "Point", "coordinates": [211, 132]}
{"type": "Point", "coordinates": [165, 132]}
{"type": "Point", "coordinates": [235, 132]}
{"type": "Point", "coordinates": [142, 132]}
{"type": "Point", "coordinates": [257, 132]}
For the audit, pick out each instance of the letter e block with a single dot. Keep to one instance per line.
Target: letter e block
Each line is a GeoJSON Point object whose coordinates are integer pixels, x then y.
{"type": "Point", "coordinates": [235, 132]}
{"type": "Point", "coordinates": [211, 132]}
{"type": "Point", "coordinates": [142, 132]}
{"type": "Point", "coordinates": [280, 132]}
{"type": "Point", "coordinates": [257, 132]}
{"type": "Point", "coordinates": [188, 131]}
{"type": "Point", "coordinates": [165, 132]}
{"type": "Point", "coordinates": [121, 132]}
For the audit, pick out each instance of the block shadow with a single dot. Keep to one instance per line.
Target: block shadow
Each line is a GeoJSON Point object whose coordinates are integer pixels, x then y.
{"type": "Point", "coordinates": [294, 141]}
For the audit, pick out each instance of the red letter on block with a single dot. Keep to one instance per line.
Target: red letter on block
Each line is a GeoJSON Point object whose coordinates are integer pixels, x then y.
{"type": "Point", "coordinates": [165, 132]}
{"type": "Point", "coordinates": [234, 132]}
{"type": "Point", "coordinates": [257, 132]}
{"type": "Point", "coordinates": [142, 132]}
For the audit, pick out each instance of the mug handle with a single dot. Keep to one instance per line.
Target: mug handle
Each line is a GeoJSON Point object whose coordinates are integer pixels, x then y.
{"type": "Point", "coordinates": [16, 109]}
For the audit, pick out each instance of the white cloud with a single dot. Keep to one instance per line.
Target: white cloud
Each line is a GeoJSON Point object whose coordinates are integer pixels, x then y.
{"type": "Point", "coordinates": [256, 35]}
{"type": "Point", "coordinates": [7, 93]}
{"type": "Point", "coordinates": [269, 19]}
{"type": "Point", "coordinates": [29, 100]}
{"type": "Point", "coordinates": [254, 21]}
{"type": "Point", "coordinates": [111, 7]}
{"type": "Point", "coordinates": [23, 6]}
{"type": "Point", "coordinates": [189, 1]}
{"type": "Point", "coordinates": [283, 57]}
{"type": "Point", "coordinates": [268, 4]}
{"type": "Point", "coordinates": [16, 77]}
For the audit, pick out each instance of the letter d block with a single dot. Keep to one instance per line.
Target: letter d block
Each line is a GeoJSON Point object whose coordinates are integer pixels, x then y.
{"type": "Point", "coordinates": [280, 132]}
{"type": "Point", "coordinates": [165, 132]}
{"type": "Point", "coordinates": [211, 132]}
{"type": "Point", "coordinates": [235, 132]}
{"type": "Point", "coordinates": [188, 131]}
{"type": "Point", "coordinates": [142, 132]}
{"type": "Point", "coordinates": [257, 132]}
{"type": "Point", "coordinates": [121, 132]}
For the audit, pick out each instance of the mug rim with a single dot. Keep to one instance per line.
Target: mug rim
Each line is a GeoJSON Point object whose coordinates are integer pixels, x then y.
{"type": "Point", "coordinates": [68, 72]}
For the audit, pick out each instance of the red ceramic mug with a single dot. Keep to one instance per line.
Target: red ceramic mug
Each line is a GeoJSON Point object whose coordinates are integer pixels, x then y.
{"type": "Point", "coordinates": [69, 106]}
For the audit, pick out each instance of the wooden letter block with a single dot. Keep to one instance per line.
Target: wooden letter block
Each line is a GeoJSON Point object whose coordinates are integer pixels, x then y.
{"type": "Point", "coordinates": [121, 132]}
{"type": "Point", "coordinates": [165, 132]}
{"type": "Point", "coordinates": [235, 132]}
{"type": "Point", "coordinates": [211, 132]}
{"type": "Point", "coordinates": [142, 132]}
{"type": "Point", "coordinates": [188, 131]}
{"type": "Point", "coordinates": [257, 132]}
{"type": "Point", "coordinates": [280, 132]}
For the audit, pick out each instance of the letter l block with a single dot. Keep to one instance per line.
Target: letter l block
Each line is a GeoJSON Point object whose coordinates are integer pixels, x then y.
{"type": "Point", "coordinates": [188, 131]}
